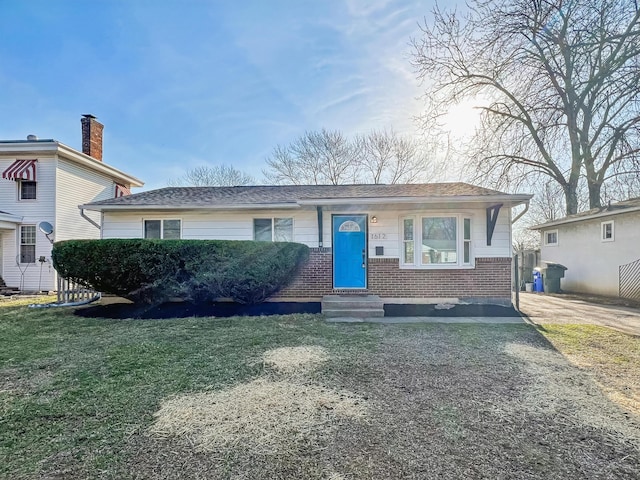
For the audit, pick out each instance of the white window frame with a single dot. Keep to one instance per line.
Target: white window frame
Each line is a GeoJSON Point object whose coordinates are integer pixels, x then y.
{"type": "Point", "coordinates": [403, 241]}
{"type": "Point", "coordinates": [602, 231]}
{"type": "Point", "coordinates": [546, 233]}
{"type": "Point", "coordinates": [19, 182]}
{"type": "Point", "coordinates": [273, 226]}
{"type": "Point", "coordinates": [417, 240]}
{"type": "Point", "coordinates": [34, 244]}
{"type": "Point", "coordinates": [161, 220]}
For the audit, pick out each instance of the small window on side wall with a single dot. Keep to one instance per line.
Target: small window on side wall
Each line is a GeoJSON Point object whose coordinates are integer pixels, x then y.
{"type": "Point", "coordinates": [551, 238]}
{"type": "Point", "coordinates": [27, 190]}
{"type": "Point", "coordinates": [162, 229]}
{"type": "Point", "coordinates": [606, 231]}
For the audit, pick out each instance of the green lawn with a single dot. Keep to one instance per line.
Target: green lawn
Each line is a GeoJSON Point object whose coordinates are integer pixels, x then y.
{"type": "Point", "coordinates": [78, 398]}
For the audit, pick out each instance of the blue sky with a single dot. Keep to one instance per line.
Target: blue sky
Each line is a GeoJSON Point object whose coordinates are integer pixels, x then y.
{"type": "Point", "coordinates": [182, 84]}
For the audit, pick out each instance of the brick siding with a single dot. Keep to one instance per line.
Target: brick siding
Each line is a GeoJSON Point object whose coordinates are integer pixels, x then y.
{"type": "Point", "coordinates": [491, 278]}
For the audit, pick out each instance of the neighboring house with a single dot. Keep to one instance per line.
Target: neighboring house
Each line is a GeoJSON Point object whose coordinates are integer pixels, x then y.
{"type": "Point", "coordinates": [44, 181]}
{"type": "Point", "coordinates": [599, 247]}
{"type": "Point", "coordinates": [406, 243]}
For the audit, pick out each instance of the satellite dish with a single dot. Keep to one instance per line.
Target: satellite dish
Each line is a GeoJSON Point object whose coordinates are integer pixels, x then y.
{"type": "Point", "coordinates": [46, 228]}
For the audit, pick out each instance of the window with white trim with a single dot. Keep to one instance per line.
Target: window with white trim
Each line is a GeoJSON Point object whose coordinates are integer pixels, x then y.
{"type": "Point", "coordinates": [408, 242]}
{"type": "Point", "coordinates": [551, 238]}
{"type": "Point", "coordinates": [606, 231]}
{"type": "Point", "coordinates": [27, 244]}
{"type": "Point", "coordinates": [273, 229]}
{"type": "Point", "coordinates": [27, 190]}
{"type": "Point", "coordinates": [166, 229]}
{"type": "Point", "coordinates": [439, 241]}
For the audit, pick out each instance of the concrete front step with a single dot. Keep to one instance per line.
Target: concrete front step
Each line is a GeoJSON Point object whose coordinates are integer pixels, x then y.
{"type": "Point", "coordinates": [357, 313]}
{"type": "Point", "coordinates": [359, 306]}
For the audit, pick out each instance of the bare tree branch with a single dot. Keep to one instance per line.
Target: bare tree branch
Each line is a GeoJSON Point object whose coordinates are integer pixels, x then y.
{"type": "Point", "coordinates": [216, 176]}
{"type": "Point", "coordinates": [561, 80]}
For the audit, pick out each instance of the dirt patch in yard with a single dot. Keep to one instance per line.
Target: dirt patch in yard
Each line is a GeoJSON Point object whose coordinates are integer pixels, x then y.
{"type": "Point", "coordinates": [440, 402]}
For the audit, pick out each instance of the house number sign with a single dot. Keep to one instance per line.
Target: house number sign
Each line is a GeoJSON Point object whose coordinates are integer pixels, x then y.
{"type": "Point", "coordinates": [378, 236]}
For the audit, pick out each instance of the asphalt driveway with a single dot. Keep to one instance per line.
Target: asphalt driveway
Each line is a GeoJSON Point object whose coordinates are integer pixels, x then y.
{"type": "Point", "coordinates": [541, 308]}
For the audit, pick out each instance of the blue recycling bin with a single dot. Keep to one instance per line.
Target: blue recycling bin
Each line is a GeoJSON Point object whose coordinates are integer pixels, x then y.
{"type": "Point", "coordinates": [537, 282]}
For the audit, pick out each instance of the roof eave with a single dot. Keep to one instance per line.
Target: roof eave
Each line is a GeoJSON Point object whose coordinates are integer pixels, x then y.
{"type": "Point", "coordinates": [507, 200]}
{"type": "Point", "coordinates": [8, 217]}
{"type": "Point", "coordinates": [564, 221]}
{"type": "Point", "coordinates": [94, 164]}
{"type": "Point", "coordinates": [38, 147]}
{"type": "Point", "coordinates": [251, 206]}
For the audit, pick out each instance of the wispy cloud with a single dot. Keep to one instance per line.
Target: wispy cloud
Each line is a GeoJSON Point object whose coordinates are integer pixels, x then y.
{"type": "Point", "coordinates": [178, 83]}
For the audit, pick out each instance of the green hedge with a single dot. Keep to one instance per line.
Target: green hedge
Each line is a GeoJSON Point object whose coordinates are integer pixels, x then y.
{"type": "Point", "coordinates": [154, 271]}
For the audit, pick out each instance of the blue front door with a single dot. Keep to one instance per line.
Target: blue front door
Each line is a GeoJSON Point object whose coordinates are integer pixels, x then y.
{"type": "Point", "coordinates": [349, 251]}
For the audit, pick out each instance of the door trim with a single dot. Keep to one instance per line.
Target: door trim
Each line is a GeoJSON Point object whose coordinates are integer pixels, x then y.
{"type": "Point", "coordinates": [366, 250]}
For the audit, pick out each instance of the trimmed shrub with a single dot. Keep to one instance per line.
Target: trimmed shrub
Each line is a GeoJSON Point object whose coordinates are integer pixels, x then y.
{"type": "Point", "coordinates": [154, 271]}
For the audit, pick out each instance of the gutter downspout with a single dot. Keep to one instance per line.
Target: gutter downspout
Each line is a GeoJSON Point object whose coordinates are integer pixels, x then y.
{"type": "Point", "coordinates": [526, 208]}
{"type": "Point", "coordinates": [88, 219]}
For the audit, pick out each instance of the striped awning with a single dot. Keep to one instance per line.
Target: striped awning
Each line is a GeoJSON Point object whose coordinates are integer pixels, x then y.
{"type": "Point", "coordinates": [21, 170]}
{"type": "Point", "coordinates": [122, 191]}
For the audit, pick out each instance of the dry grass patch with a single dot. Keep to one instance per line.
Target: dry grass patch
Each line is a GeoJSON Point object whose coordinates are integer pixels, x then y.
{"type": "Point", "coordinates": [24, 300]}
{"type": "Point", "coordinates": [263, 416]}
{"type": "Point", "coordinates": [295, 359]}
{"type": "Point", "coordinates": [611, 357]}
{"type": "Point", "coordinates": [559, 388]}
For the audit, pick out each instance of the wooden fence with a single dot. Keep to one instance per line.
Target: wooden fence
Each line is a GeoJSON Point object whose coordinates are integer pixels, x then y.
{"type": "Point", "coordinates": [71, 292]}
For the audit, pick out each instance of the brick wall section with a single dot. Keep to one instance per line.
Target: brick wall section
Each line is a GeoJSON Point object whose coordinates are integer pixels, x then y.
{"type": "Point", "coordinates": [314, 279]}
{"type": "Point", "coordinates": [491, 278]}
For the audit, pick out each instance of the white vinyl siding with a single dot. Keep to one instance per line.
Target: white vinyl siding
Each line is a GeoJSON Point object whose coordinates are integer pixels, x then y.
{"type": "Point", "coordinates": [593, 266]}
{"type": "Point", "coordinates": [215, 225]}
{"type": "Point", "coordinates": [61, 186]}
{"type": "Point", "coordinates": [385, 233]}
{"type": "Point", "coordinates": [78, 185]}
{"type": "Point", "coordinates": [32, 212]}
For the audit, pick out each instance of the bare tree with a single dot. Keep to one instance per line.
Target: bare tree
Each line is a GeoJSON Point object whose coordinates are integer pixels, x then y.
{"type": "Point", "coordinates": [385, 157]}
{"type": "Point", "coordinates": [329, 157]}
{"type": "Point", "coordinates": [216, 176]}
{"type": "Point", "coordinates": [560, 81]}
{"type": "Point", "coordinates": [324, 157]}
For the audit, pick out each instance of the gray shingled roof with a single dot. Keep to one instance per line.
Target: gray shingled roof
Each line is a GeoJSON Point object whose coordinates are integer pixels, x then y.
{"type": "Point", "coordinates": [283, 194]}
{"type": "Point", "coordinates": [612, 209]}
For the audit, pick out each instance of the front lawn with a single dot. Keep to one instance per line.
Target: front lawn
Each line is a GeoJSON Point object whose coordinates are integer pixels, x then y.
{"type": "Point", "coordinates": [295, 397]}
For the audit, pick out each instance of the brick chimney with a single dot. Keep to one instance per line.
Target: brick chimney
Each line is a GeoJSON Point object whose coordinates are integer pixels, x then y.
{"type": "Point", "coordinates": [91, 136]}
